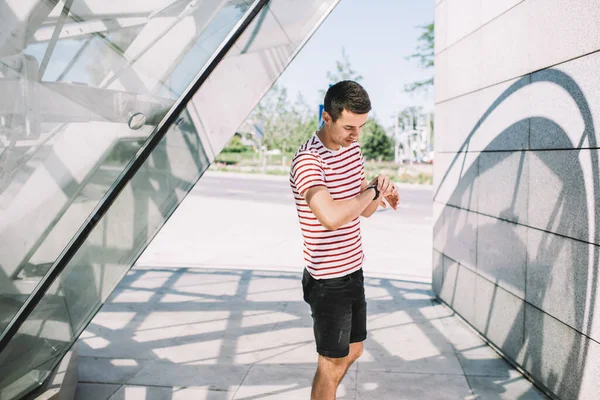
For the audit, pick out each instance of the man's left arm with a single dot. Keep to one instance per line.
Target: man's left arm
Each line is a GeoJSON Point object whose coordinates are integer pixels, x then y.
{"type": "Point", "coordinates": [371, 208]}
{"type": "Point", "coordinates": [391, 197]}
{"type": "Point", "coordinates": [380, 181]}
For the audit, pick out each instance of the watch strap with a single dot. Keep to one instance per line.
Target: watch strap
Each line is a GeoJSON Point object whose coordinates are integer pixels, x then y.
{"type": "Point", "coordinates": [376, 191]}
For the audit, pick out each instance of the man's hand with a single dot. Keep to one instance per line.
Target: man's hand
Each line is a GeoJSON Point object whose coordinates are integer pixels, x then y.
{"type": "Point", "coordinates": [384, 185]}
{"type": "Point", "coordinates": [393, 200]}
{"type": "Point", "coordinates": [387, 191]}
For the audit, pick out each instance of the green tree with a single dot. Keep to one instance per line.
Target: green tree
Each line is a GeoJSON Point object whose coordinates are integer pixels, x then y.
{"type": "Point", "coordinates": [408, 115]}
{"type": "Point", "coordinates": [343, 72]}
{"type": "Point", "coordinates": [425, 57]}
{"type": "Point", "coordinates": [286, 125]}
{"type": "Point", "coordinates": [235, 145]}
{"type": "Point", "coordinates": [375, 143]}
{"type": "Point", "coordinates": [306, 121]}
{"type": "Point", "coordinates": [271, 113]}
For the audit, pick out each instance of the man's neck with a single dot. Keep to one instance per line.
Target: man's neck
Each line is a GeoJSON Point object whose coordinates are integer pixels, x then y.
{"type": "Point", "coordinates": [323, 136]}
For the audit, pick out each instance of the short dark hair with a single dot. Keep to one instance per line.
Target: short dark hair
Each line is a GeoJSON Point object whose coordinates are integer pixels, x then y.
{"type": "Point", "coordinates": [346, 95]}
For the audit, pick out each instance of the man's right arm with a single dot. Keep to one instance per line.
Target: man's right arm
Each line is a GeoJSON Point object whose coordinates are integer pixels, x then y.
{"type": "Point", "coordinates": [333, 214]}
{"type": "Point", "coordinates": [308, 176]}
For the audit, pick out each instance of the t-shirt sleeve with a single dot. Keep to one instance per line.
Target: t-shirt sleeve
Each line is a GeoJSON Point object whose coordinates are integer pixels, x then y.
{"type": "Point", "coordinates": [307, 172]}
{"type": "Point", "coordinates": [362, 167]}
{"type": "Point", "coordinates": [362, 164]}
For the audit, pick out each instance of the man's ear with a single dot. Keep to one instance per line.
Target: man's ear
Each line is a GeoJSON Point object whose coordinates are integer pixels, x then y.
{"type": "Point", "coordinates": [326, 118]}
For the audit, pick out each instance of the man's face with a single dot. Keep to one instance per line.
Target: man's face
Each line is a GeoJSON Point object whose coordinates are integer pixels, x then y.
{"type": "Point", "coordinates": [347, 128]}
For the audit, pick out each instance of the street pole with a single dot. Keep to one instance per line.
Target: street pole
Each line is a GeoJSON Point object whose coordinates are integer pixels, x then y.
{"type": "Point", "coordinates": [396, 139]}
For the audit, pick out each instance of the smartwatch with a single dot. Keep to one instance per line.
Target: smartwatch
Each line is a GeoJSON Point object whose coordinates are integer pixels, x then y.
{"type": "Point", "coordinates": [376, 191]}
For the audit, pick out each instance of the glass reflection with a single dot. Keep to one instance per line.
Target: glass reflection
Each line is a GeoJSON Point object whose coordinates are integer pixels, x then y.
{"type": "Point", "coordinates": [100, 264]}
{"type": "Point", "coordinates": [84, 83]}
{"type": "Point", "coordinates": [76, 160]}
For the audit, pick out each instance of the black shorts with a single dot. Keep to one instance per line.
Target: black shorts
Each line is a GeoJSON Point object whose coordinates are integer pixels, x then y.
{"type": "Point", "coordinates": [339, 312]}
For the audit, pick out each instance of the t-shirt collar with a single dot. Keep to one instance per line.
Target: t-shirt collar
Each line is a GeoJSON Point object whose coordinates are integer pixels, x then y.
{"type": "Point", "coordinates": [334, 152]}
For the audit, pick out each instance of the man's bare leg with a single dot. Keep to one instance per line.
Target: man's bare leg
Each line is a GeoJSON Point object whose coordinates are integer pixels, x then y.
{"type": "Point", "coordinates": [356, 350]}
{"type": "Point", "coordinates": [331, 371]}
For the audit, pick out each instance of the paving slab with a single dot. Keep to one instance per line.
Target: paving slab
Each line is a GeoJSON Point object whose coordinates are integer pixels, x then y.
{"type": "Point", "coordinates": [215, 311]}
{"type": "Point", "coordinates": [278, 382]}
{"type": "Point", "coordinates": [392, 385]}
{"type": "Point", "coordinates": [95, 391]}
{"type": "Point", "coordinates": [249, 345]}
{"type": "Point", "coordinates": [134, 392]}
{"type": "Point", "coordinates": [513, 386]}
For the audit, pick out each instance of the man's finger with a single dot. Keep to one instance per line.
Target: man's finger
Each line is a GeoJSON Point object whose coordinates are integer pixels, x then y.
{"type": "Point", "coordinates": [385, 185]}
{"type": "Point", "coordinates": [392, 203]}
{"type": "Point", "coordinates": [389, 189]}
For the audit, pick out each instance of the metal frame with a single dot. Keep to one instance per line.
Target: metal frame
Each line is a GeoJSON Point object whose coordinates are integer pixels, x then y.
{"type": "Point", "coordinates": [57, 28]}
{"type": "Point", "coordinates": [128, 173]}
{"type": "Point", "coordinates": [50, 226]}
{"type": "Point", "coordinates": [66, 103]}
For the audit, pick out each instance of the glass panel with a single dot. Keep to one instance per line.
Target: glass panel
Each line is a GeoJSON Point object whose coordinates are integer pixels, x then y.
{"type": "Point", "coordinates": [263, 52]}
{"type": "Point", "coordinates": [100, 264]}
{"type": "Point", "coordinates": [82, 90]}
{"type": "Point", "coordinates": [218, 108]}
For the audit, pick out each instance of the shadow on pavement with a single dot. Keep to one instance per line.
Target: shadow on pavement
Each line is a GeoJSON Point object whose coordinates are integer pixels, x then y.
{"type": "Point", "coordinates": [181, 333]}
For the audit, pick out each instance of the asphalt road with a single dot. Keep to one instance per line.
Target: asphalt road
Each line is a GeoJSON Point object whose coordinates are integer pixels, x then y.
{"type": "Point", "coordinates": [250, 221]}
{"type": "Point", "coordinates": [416, 202]}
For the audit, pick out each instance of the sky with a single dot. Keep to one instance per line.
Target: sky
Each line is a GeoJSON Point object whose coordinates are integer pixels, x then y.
{"type": "Point", "coordinates": [377, 36]}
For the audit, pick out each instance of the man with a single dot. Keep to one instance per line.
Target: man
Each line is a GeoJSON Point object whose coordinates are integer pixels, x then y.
{"type": "Point", "coordinates": [331, 193]}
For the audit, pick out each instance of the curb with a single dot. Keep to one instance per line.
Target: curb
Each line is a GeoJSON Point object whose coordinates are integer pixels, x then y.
{"type": "Point", "coordinates": [285, 178]}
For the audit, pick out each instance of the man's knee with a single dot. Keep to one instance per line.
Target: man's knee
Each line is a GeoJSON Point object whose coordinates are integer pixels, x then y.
{"type": "Point", "coordinates": [356, 350]}
{"type": "Point", "coordinates": [332, 368]}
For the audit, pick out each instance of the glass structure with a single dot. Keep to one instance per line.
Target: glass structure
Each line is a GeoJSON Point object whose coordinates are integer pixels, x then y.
{"type": "Point", "coordinates": [111, 111]}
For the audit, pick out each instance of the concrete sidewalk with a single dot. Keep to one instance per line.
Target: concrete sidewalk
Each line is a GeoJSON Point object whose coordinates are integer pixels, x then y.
{"type": "Point", "coordinates": [181, 333]}
{"type": "Point", "coordinates": [214, 310]}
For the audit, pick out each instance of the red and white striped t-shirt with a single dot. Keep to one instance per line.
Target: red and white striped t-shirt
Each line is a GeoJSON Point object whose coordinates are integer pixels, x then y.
{"type": "Point", "coordinates": [328, 254]}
